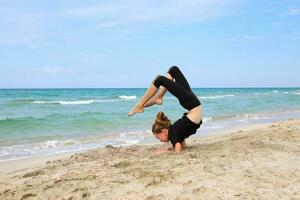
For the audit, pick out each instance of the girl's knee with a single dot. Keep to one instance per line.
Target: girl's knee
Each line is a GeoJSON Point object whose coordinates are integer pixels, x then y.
{"type": "Point", "coordinates": [157, 81]}
{"type": "Point", "coordinates": [173, 70]}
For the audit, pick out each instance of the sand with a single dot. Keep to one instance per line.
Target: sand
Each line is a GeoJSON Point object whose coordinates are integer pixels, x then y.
{"type": "Point", "coordinates": [251, 163]}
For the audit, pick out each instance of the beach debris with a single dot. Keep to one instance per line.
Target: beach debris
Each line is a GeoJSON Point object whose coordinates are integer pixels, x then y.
{"type": "Point", "coordinates": [25, 196]}
{"type": "Point", "coordinates": [85, 194]}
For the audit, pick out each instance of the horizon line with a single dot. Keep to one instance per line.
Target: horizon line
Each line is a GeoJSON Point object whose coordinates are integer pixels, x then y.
{"type": "Point", "coordinates": [36, 88]}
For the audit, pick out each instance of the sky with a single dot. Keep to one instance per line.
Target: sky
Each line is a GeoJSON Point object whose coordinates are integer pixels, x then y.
{"type": "Point", "coordinates": [126, 43]}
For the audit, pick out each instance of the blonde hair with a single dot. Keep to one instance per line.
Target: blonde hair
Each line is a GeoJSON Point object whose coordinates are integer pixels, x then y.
{"type": "Point", "coordinates": [161, 122]}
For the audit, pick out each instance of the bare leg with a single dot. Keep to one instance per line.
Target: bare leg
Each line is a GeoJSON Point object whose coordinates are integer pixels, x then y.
{"type": "Point", "coordinates": [139, 107]}
{"type": "Point", "coordinates": [158, 98]}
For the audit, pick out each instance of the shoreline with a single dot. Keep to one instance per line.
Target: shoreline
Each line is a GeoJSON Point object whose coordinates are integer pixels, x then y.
{"type": "Point", "coordinates": [37, 149]}
{"type": "Point", "coordinates": [254, 162]}
{"type": "Point", "coordinates": [10, 165]}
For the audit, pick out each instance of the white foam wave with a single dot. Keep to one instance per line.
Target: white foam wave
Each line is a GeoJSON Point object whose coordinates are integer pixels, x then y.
{"type": "Point", "coordinates": [170, 98]}
{"type": "Point", "coordinates": [237, 117]}
{"type": "Point", "coordinates": [127, 97]}
{"type": "Point", "coordinates": [55, 146]}
{"type": "Point", "coordinates": [247, 116]}
{"type": "Point", "coordinates": [56, 143]}
{"type": "Point", "coordinates": [81, 102]}
{"type": "Point", "coordinates": [2, 119]}
{"type": "Point", "coordinates": [206, 119]}
{"type": "Point", "coordinates": [275, 91]}
{"type": "Point", "coordinates": [263, 93]}
{"type": "Point", "coordinates": [66, 102]}
{"type": "Point", "coordinates": [85, 102]}
{"type": "Point", "coordinates": [217, 96]}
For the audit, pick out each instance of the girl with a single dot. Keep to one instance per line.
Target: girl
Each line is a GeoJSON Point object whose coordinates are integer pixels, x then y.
{"type": "Point", "coordinates": [184, 127]}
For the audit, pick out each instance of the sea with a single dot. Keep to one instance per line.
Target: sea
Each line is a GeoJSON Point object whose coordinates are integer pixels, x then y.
{"type": "Point", "coordinates": [37, 122]}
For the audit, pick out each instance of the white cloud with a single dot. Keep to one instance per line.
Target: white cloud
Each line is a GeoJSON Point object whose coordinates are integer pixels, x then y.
{"type": "Point", "coordinates": [85, 57]}
{"type": "Point", "coordinates": [279, 24]}
{"type": "Point", "coordinates": [249, 38]}
{"type": "Point", "coordinates": [31, 21]}
{"type": "Point", "coordinates": [115, 13]}
{"type": "Point", "coordinates": [291, 11]}
{"type": "Point", "coordinates": [52, 70]}
{"type": "Point", "coordinates": [270, 36]}
{"type": "Point", "coordinates": [290, 36]}
{"type": "Point", "coordinates": [17, 26]}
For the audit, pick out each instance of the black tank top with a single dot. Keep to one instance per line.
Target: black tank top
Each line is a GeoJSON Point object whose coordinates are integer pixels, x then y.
{"type": "Point", "coordinates": [182, 129]}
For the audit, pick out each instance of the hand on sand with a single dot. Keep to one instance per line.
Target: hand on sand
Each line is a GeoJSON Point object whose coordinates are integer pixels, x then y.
{"type": "Point", "coordinates": [136, 109]}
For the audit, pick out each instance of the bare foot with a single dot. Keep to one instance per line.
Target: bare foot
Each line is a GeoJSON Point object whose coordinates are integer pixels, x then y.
{"type": "Point", "coordinates": [136, 109]}
{"type": "Point", "coordinates": [153, 101]}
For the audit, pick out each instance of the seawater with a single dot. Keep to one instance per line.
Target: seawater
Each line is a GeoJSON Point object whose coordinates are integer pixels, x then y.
{"type": "Point", "coordinates": [47, 121]}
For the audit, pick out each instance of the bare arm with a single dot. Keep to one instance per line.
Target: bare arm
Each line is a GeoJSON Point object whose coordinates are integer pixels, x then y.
{"type": "Point", "coordinates": [178, 147]}
{"type": "Point", "coordinates": [183, 144]}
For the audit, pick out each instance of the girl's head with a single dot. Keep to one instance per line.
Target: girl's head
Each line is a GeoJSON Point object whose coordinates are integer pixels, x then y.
{"type": "Point", "coordinates": [160, 127]}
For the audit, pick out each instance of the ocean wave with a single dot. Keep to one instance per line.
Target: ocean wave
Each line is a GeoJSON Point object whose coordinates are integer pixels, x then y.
{"type": "Point", "coordinates": [56, 146]}
{"type": "Point", "coordinates": [30, 149]}
{"type": "Point", "coordinates": [262, 93]}
{"type": "Point", "coordinates": [56, 143]}
{"type": "Point", "coordinates": [53, 118]}
{"type": "Point", "coordinates": [77, 102]}
{"type": "Point", "coordinates": [127, 97]}
{"type": "Point", "coordinates": [206, 119]}
{"type": "Point", "coordinates": [264, 116]}
{"type": "Point", "coordinates": [217, 96]}
{"type": "Point", "coordinates": [237, 117]}
{"type": "Point", "coordinates": [15, 119]}
{"type": "Point", "coordinates": [82, 102]}
{"type": "Point", "coordinates": [170, 98]}
{"type": "Point", "coordinates": [247, 116]}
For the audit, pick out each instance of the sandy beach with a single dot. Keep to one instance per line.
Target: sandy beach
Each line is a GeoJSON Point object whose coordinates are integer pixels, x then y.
{"type": "Point", "coordinates": [250, 163]}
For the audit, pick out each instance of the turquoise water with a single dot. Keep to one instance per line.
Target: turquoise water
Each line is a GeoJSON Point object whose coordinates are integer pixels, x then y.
{"type": "Point", "coordinates": [47, 121]}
